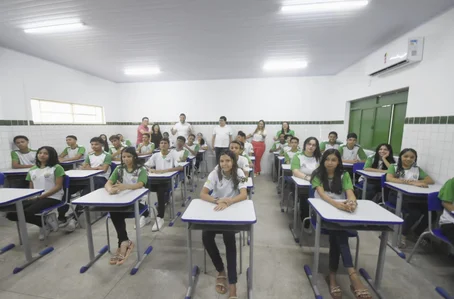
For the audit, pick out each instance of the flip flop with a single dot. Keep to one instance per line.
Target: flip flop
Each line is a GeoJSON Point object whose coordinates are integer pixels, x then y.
{"type": "Point", "coordinates": [221, 285]}
{"type": "Point", "coordinates": [335, 292]}
{"type": "Point", "coordinates": [114, 258]}
{"type": "Point", "coordinates": [127, 246]}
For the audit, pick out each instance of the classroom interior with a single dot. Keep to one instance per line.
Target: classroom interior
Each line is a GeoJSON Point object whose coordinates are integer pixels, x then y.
{"type": "Point", "coordinates": [211, 56]}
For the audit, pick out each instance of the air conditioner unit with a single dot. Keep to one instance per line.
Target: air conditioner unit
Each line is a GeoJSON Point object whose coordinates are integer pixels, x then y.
{"type": "Point", "coordinates": [395, 56]}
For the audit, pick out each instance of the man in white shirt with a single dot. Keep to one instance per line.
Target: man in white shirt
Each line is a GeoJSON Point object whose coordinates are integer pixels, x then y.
{"type": "Point", "coordinates": [182, 128]}
{"type": "Point", "coordinates": [222, 136]}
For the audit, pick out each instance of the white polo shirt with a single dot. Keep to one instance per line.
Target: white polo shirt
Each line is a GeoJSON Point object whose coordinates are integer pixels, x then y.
{"type": "Point", "coordinates": [183, 129]}
{"type": "Point", "coordinates": [224, 187]}
{"type": "Point", "coordinates": [222, 136]}
{"type": "Point", "coordinates": [161, 162]}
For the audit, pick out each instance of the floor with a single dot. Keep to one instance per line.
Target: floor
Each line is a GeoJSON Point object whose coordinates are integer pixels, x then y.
{"type": "Point", "coordinates": [278, 261]}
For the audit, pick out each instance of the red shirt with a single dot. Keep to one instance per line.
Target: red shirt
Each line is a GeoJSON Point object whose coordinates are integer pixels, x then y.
{"type": "Point", "coordinates": [139, 135]}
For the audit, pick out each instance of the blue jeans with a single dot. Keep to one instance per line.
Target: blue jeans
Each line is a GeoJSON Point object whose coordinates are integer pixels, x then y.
{"type": "Point", "coordinates": [338, 246]}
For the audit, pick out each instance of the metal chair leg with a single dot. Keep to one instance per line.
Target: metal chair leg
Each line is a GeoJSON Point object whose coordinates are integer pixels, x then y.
{"type": "Point", "coordinates": [204, 261]}
{"type": "Point", "coordinates": [108, 235]}
{"type": "Point", "coordinates": [18, 232]}
{"type": "Point", "coordinates": [416, 245]}
{"type": "Point", "coordinates": [240, 248]}
{"type": "Point", "coordinates": [357, 253]}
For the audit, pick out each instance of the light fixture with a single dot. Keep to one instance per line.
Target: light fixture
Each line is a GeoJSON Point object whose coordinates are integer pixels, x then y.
{"type": "Point", "coordinates": [142, 71]}
{"type": "Point", "coordinates": [284, 65]}
{"type": "Point", "coordinates": [325, 6]}
{"type": "Point", "coordinates": [53, 27]}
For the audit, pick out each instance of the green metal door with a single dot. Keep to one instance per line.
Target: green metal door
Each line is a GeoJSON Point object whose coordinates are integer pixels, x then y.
{"type": "Point", "coordinates": [381, 126]}
{"type": "Point", "coordinates": [397, 130]}
{"type": "Point", "coordinates": [366, 132]}
{"type": "Point", "coordinates": [355, 121]}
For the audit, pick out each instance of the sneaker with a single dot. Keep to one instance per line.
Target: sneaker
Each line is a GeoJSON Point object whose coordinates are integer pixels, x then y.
{"type": "Point", "coordinates": [158, 224]}
{"type": "Point", "coordinates": [52, 222]}
{"type": "Point", "coordinates": [143, 221]}
{"type": "Point", "coordinates": [71, 226]}
{"type": "Point", "coordinates": [43, 233]}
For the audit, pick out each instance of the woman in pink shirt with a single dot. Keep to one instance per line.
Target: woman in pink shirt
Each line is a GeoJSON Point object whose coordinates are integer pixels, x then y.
{"type": "Point", "coordinates": [142, 129]}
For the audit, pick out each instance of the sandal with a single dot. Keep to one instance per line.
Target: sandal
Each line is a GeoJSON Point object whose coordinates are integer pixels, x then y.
{"type": "Point", "coordinates": [125, 250]}
{"type": "Point", "coordinates": [114, 258]}
{"type": "Point", "coordinates": [221, 288]}
{"type": "Point", "coordinates": [335, 292]}
{"type": "Point", "coordinates": [359, 293]}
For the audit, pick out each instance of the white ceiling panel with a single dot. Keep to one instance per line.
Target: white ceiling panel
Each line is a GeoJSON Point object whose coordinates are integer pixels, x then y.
{"type": "Point", "coordinates": [206, 39]}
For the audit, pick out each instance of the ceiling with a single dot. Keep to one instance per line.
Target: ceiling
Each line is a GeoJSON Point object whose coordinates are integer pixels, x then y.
{"type": "Point", "coordinates": [206, 39]}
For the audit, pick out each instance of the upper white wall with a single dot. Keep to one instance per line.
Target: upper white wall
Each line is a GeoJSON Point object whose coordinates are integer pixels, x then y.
{"type": "Point", "coordinates": [239, 100]}
{"type": "Point", "coordinates": [23, 77]}
{"type": "Point", "coordinates": [430, 81]}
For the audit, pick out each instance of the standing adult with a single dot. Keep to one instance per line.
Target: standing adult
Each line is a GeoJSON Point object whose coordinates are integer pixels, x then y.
{"type": "Point", "coordinates": [156, 135]}
{"type": "Point", "coordinates": [142, 129]}
{"type": "Point", "coordinates": [182, 128]}
{"type": "Point", "coordinates": [285, 129]}
{"type": "Point", "coordinates": [258, 143]}
{"type": "Point", "coordinates": [222, 136]}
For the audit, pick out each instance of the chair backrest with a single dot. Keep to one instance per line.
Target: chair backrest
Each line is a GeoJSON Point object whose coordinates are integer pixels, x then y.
{"type": "Point", "coordinates": [311, 192]}
{"type": "Point", "coordinates": [383, 181]}
{"type": "Point", "coordinates": [358, 166]}
{"type": "Point", "coordinates": [66, 182]}
{"type": "Point", "coordinates": [2, 179]}
{"type": "Point", "coordinates": [434, 202]}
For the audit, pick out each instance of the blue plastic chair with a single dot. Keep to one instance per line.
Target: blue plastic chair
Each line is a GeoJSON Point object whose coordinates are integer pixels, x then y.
{"type": "Point", "coordinates": [434, 205]}
{"type": "Point", "coordinates": [356, 167]}
{"type": "Point", "coordinates": [2, 180]}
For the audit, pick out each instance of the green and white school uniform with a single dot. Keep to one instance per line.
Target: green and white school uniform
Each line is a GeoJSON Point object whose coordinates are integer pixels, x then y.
{"type": "Point", "coordinates": [113, 150]}
{"type": "Point", "coordinates": [161, 162]}
{"type": "Point", "coordinates": [325, 145]}
{"type": "Point", "coordinates": [98, 160]}
{"type": "Point", "coordinates": [44, 178]}
{"type": "Point", "coordinates": [351, 154]}
{"type": "Point", "coordinates": [368, 164]}
{"type": "Point", "coordinates": [242, 163]}
{"type": "Point", "coordinates": [290, 132]}
{"type": "Point", "coordinates": [278, 146]}
{"type": "Point", "coordinates": [194, 147]}
{"type": "Point", "coordinates": [346, 185]}
{"type": "Point", "coordinates": [248, 148]}
{"type": "Point", "coordinates": [224, 187]}
{"type": "Point", "coordinates": [146, 148]}
{"type": "Point", "coordinates": [181, 155]}
{"type": "Point", "coordinates": [288, 156]}
{"type": "Point", "coordinates": [447, 194]}
{"type": "Point", "coordinates": [122, 175]}
{"type": "Point", "coordinates": [28, 158]}
{"type": "Point", "coordinates": [247, 157]}
{"type": "Point", "coordinates": [304, 163]}
{"type": "Point", "coordinates": [72, 152]}
{"type": "Point", "coordinates": [126, 143]}
{"type": "Point", "coordinates": [414, 173]}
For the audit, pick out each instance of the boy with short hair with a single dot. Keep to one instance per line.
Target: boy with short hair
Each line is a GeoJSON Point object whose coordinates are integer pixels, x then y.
{"type": "Point", "coordinates": [162, 162]}
{"type": "Point", "coordinates": [192, 147]}
{"type": "Point", "coordinates": [280, 144]}
{"type": "Point", "coordinates": [352, 152]}
{"type": "Point", "coordinates": [97, 160]}
{"type": "Point", "coordinates": [288, 155]}
{"type": "Point", "coordinates": [180, 154]}
{"type": "Point", "coordinates": [146, 147]}
{"type": "Point", "coordinates": [166, 135]}
{"type": "Point", "coordinates": [330, 143]}
{"type": "Point", "coordinates": [24, 157]}
{"type": "Point", "coordinates": [116, 148]}
{"type": "Point", "coordinates": [248, 148]}
{"type": "Point", "coordinates": [73, 151]}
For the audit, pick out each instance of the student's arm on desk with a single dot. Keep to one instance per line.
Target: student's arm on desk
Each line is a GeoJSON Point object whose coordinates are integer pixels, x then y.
{"type": "Point", "coordinates": [114, 188]}
{"type": "Point", "coordinates": [341, 205]}
{"type": "Point", "coordinates": [375, 170]}
{"type": "Point", "coordinates": [16, 165]}
{"type": "Point", "coordinates": [420, 183]}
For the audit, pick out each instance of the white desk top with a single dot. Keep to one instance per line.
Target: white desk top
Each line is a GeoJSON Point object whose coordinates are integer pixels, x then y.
{"type": "Point", "coordinates": [276, 153]}
{"type": "Point", "coordinates": [286, 166]}
{"type": "Point", "coordinates": [201, 151]}
{"type": "Point", "coordinates": [252, 158]}
{"type": "Point", "coordinates": [347, 164]}
{"type": "Point", "coordinates": [250, 183]}
{"type": "Point", "coordinates": [156, 151]}
{"type": "Point", "coordinates": [203, 212]}
{"type": "Point", "coordinates": [15, 171]}
{"type": "Point", "coordinates": [371, 174]}
{"type": "Point", "coordinates": [281, 158]}
{"type": "Point", "coordinates": [71, 162]}
{"type": "Point", "coordinates": [300, 182]}
{"type": "Point", "coordinates": [101, 197]}
{"type": "Point", "coordinates": [116, 162]}
{"type": "Point", "coordinates": [82, 174]}
{"type": "Point", "coordinates": [191, 157]}
{"type": "Point", "coordinates": [183, 164]}
{"type": "Point", "coordinates": [163, 175]}
{"type": "Point", "coordinates": [414, 190]}
{"type": "Point", "coordinates": [367, 212]}
{"type": "Point", "coordinates": [11, 195]}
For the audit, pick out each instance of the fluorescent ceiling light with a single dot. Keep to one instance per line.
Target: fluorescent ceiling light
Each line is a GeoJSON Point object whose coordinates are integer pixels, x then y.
{"type": "Point", "coordinates": [55, 28]}
{"type": "Point", "coordinates": [142, 71]}
{"type": "Point", "coordinates": [284, 65]}
{"type": "Point", "coordinates": [325, 6]}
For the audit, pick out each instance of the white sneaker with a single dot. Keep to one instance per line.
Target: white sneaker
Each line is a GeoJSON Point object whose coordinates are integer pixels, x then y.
{"type": "Point", "coordinates": [143, 221]}
{"type": "Point", "coordinates": [52, 222]}
{"type": "Point", "coordinates": [159, 223]}
{"type": "Point", "coordinates": [71, 226]}
{"type": "Point", "coordinates": [43, 233]}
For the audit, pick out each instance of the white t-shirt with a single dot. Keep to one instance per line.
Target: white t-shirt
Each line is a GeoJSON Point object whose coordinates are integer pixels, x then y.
{"type": "Point", "coordinates": [248, 148]}
{"type": "Point", "coordinates": [242, 163]}
{"type": "Point", "coordinates": [307, 165]}
{"type": "Point", "coordinates": [178, 155]}
{"type": "Point", "coordinates": [222, 136]}
{"type": "Point", "coordinates": [259, 136]}
{"type": "Point", "coordinates": [161, 162]}
{"type": "Point", "coordinates": [224, 188]}
{"type": "Point", "coordinates": [183, 129]}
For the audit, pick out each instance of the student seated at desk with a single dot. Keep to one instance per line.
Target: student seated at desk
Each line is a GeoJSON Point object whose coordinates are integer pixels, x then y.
{"type": "Point", "coordinates": [446, 195]}
{"type": "Point", "coordinates": [352, 152]}
{"type": "Point", "coordinates": [105, 143]}
{"type": "Point", "coordinates": [24, 157]}
{"type": "Point", "coordinates": [331, 142]}
{"type": "Point", "coordinates": [243, 154]}
{"type": "Point", "coordinates": [166, 135]}
{"type": "Point", "coordinates": [179, 153]}
{"type": "Point", "coordinates": [288, 155]}
{"type": "Point", "coordinates": [124, 143]}
{"type": "Point", "coordinates": [192, 147]}
{"type": "Point", "coordinates": [117, 147]}
{"type": "Point", "coordinates": [229, 187]}
{"type": "Point", "coordinates": [407, 172]}
{"type": "Point", "coordinates": [130, 175]}
{"type": "Point", "coordinates": [73, 152]}
{"type": "Point", "coordinates": [330, 183]}
{"type": "Point", "coordinates": [303, 165]}
{"type": "Point", "coordinates": [248, 148]}
{"type": "Point", "coordinates": [146, 147]}
{"type": "Point", "coordinates": [279, 145]}
{"type": "Point", "coordinates": [201, 142]}
{"type": "Point", "coordinates": [46, 174]}
{"type": "Point", "coordinates": [378, 162]}
{"type": "Point", "coordinates": [242, 162]}
{"type": "Point", "coordinates": [162, 162]}
{"type": "Point", "coordinates": [97, 160]}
